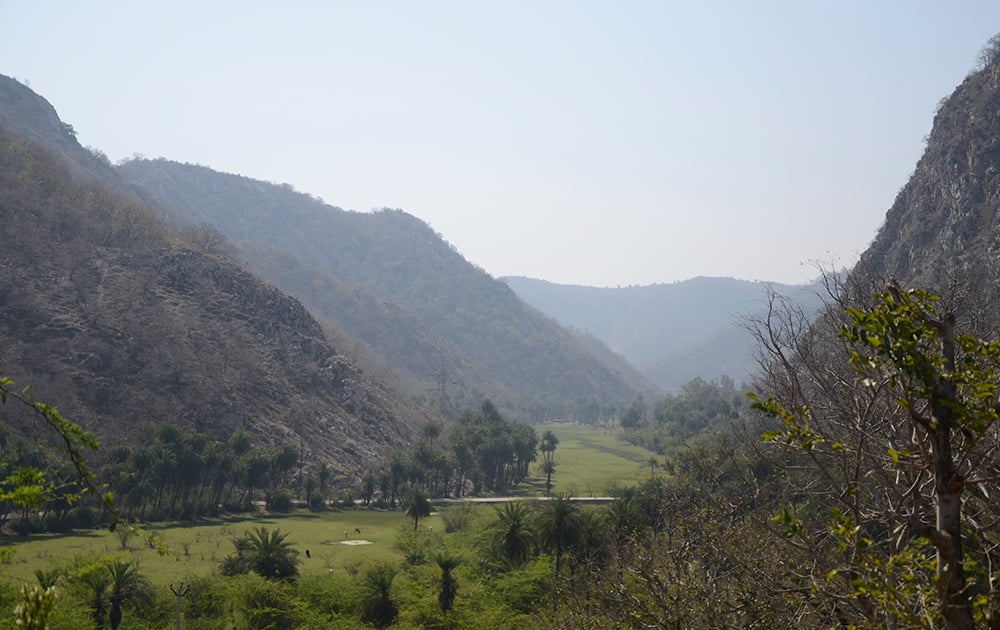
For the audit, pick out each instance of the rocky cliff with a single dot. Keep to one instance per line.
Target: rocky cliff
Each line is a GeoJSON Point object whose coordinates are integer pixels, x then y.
{"type": "Point", "coordinates": [111, 315]}
{"type": "Point", "coordinates": [944, 226]}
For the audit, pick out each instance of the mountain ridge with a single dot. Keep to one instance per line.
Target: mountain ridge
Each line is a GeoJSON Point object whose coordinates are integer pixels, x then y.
{"type": "Point", "coordinates": [115, 318]}
{"type": "Point", "coordinates": [469, 333]}
{"type": "Point", "coordinates": [669, 345]}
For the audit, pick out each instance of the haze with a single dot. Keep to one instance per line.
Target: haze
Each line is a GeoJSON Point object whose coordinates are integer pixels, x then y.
{"type": "Point", "coordinates": [584, 143]}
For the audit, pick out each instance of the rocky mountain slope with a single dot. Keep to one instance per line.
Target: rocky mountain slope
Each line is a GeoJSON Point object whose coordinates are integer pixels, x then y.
{"type": "Point", "coordinates": [943, 230]}
{"type": "Point", "coordinates": [109, 314]}
{"type": "Point", "coordinates": [386, 278]}
{"type": "Point", "coordinates": [671, 332]}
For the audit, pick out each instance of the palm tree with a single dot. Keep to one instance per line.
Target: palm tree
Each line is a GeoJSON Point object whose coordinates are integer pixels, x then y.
{"type": "Point", "coordinates": [548, 445]}
{"type": "Point", "coordinates": [548, 467]}
{"type": "Point", "coordinates": [264, 552]}
{"type": "Point", "coordinates": [625, 516]}
{"type": "Point", "coordinates": [513, 538]}
{"type": "Point", "coordinates": [97, 581]}
{"type": "Point", "coordinates": [653, 463]}
{"type": "Point", "coordinates": [378, 607]}
{"type": "Point", "coordinates": [418, 505]}
{"type": "Point", "coordinates": [126, 584]}
{"type": "Point", "coordinates": [368, 488]}
{"type": "Point", "coordinates": [47, 578]}
{"type": "Point", "coordinates": [558, 525]}
{"type": "Point", "coordinates": [449, 585]}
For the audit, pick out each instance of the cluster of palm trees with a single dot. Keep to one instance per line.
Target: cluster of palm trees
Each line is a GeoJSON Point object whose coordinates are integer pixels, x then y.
{"type": "Point", "coordinates": [185, 476]}
{"type": "Point", "coordinates": [557, 526]}
{"type": "Point", "coordinates": [485, 453]}
{"type": "Point", "coordinates": [111, 586]}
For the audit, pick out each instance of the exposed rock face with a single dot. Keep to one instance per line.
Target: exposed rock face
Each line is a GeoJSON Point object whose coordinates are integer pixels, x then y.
{"type": "Point", "coordinates": [107, 314]}
{"type": "Point", "coordinates": [944, 225]}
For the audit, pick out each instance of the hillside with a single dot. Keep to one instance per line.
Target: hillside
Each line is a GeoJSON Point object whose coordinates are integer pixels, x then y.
{"type": "Point", "coordinates": [387, 279]}
{"type": "Point", "coordinates": [671, 332]}
{"type": "Point", "coordinates": [107, 313]}
{"type": "Point", "coordinates": [944, 225]}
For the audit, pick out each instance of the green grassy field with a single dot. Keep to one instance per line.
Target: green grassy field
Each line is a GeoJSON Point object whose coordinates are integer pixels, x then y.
{"type": "Point", "coordinates": [589, 462]}
{"type": "Point", "coordinates": [195, 549]}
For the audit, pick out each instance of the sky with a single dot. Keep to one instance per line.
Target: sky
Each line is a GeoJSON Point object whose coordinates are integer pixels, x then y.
{"type": "Point", "coordinates": [592, 143]}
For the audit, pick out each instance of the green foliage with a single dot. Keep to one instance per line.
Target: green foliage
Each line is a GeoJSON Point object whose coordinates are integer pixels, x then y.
{"type": "Point", "coordinates": [379, 608]}
{"type": "Point", "coordinates": [699, 408]}
{"type": "Point", "coordinates": [527, 589]}
{"type": "Point", "coordinates": [127, 586]}
{"type": "Point", "coordinates": [448, 589]}
{"type": "Point", "coordinates": [512, 539]}
{"type": "Point", "coordinates": [558, 525]}
{"type": "Point", "coordinates": [264, 552]}
{"type": "Point", "coordinates": [26, 487]}
{"type": "Point", "coordinates": [492, 451]}
{"type": "Point", "coordinates": [945, 385]}
{"type": "Point", "coordinates": [282, 500]}
{"type": "Point", "coordinates": [456, 518]}
{"type": "Point", "coordinates": [267, 603]}
{"type": "Point", "coordinates": [417, 506]}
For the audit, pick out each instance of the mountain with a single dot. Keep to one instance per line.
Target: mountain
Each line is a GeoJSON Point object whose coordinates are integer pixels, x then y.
{"type": "Point", "coordinates": [671, 332]}
{"type": "Point", "coordinates": [110, 314]}
{"type": "Point", "coordinates": [944, 225]}
{"type": "Point", "coordinates": [453, 333]}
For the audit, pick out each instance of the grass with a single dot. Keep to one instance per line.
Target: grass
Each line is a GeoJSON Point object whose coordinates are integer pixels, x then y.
{"type": "Point", "coordinates": [196, 549]}
{"type": "Point", "coordinates": [589, 462]}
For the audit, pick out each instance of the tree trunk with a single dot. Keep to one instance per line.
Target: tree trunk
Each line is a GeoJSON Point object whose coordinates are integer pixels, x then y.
{"type": "Point", "coordinates": [957, 609]}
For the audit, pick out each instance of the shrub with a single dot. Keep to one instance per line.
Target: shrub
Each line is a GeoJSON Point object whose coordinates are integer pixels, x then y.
{"type": "Point", "coordinates": [281, 501]}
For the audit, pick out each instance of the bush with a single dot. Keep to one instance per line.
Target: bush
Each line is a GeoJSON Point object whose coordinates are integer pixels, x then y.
{"type": "Point", "coordinates": [84, 517]}
{"type": "Point", "coordinates": [456, 518]}
{"type": "Point", "coordinates": [267, 604]}
{"type": "Point", "coordinates": [317, 503]}
{"type": "Point", "coordinates": [281, 501]}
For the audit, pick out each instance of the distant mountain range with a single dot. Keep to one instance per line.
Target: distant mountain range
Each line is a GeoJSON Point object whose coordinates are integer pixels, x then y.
{"type": "Point", "coordinates": [445, 329]}
{"type": "Point", "coordinates": [125, 303]}
{"type": "Point", "coordinates": [671, 332]}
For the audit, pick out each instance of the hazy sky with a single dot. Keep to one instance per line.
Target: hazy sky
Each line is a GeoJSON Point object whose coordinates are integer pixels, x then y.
{"type": "Point", "coordinates": [599, 143]}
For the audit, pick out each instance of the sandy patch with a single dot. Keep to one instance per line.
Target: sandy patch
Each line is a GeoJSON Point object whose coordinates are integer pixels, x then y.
{"type": "Point", "coordinates": [348, 542]}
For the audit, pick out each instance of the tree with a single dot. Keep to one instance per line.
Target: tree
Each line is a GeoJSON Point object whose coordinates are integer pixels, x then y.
{"type": "Point", "coordinates": [558, 525]}
{"type": "Point", "coordinates": [548, 445]}
{"type": "Point", "coordinates": [126, 584]}
{"type": "Point", "coordinates": [265, 553]}
{"type": "Point", "coordinates": [448, 588]}
{"type": "Point", "coordinates": [368, 488]}
{"type": "Point", "coordinates": [378, 607]}
{"type": "Point", "coordinates": [653, 463]}
{"type": "Point", "coordinates": [97, 582]}
{"type": "Point", "coordinates": [918, 421]}
{"type": "Point", "coordinates": [73, 440]}
{"type": "Point", "coordinates": [512, 538]}
{"type": "Point", "coordinates": [547, 468]}
{"type": "Point", "coordinates": [418, 506]}
{"type": "Point", "coordinates": [952, 403]}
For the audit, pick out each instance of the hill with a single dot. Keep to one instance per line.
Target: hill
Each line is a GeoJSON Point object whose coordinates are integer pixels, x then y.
{"type": "Point", "coordinates": [671, 332]}
{"type": "Point", "coordinates": [109, 314]}
{"type": "Point", "coordinates": [943, 228]}
{"type": "Point", "coordinates": [385, 278]}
